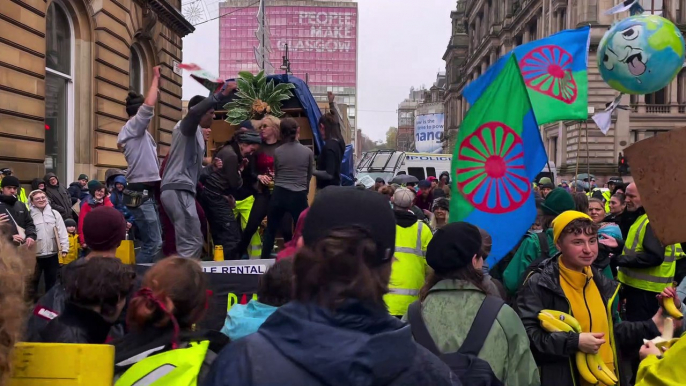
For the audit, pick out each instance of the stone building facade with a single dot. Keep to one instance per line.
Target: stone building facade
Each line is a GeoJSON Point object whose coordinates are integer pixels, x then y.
{"type": "Point", "coordinates": [65, 69]}
{"type": "Point", "coordinates": [407, 110]}
{"type": "Point", "coordinates": [484, 30]}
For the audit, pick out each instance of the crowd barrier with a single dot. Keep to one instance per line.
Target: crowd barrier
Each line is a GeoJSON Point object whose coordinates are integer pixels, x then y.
{"type": "Point", "coordinates": [56, 364]}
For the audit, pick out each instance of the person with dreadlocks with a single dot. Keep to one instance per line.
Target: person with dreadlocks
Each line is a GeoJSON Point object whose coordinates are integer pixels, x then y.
{"type": "Point", "coordinates": [161, 317]}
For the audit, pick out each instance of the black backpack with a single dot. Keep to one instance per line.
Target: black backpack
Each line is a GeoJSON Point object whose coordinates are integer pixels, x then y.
{"type": "Point", "coordinates": [465, 363]}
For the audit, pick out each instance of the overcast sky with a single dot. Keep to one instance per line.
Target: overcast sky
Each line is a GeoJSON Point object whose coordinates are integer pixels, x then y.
{"type": "Point", "coordinates": [401, 44]}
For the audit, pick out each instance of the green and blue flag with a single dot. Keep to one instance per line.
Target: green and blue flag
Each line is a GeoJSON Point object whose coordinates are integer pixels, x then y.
{"type": "Point", "coordinates": [554, 71]}
{"type": "Point", "coordinates": [498, 153]}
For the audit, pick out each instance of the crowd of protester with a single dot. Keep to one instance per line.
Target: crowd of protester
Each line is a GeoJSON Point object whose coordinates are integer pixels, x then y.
{"type": "Point", "coordinates": [373, 286]}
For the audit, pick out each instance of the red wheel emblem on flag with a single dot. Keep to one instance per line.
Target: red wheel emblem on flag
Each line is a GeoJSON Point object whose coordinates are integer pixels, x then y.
{"type": "Point", "coordinates": [548, 70]}
{"type": "Point", "coordinates": [491, 173]}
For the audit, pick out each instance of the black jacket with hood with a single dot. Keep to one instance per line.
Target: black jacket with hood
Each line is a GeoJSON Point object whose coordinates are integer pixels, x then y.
{"type": "Point", "coordinates": [60, 199]}
{"type": "Point", "coordinates": [554, 352]}
{"type": "Point", "coordinates": [35, 183]}
{"type": "Point", "coordinates": [405, 218]}
{"type": "Point", "coordinates": [77, 192]}
{"type": "Point", "coordinates": [76, 325]}
{"type": "Point", "coordinates": [21, 215]}
{"type": "Point", "coordinates": [329, 164]}
{"type": "Point", "coordinates": [306, 345]}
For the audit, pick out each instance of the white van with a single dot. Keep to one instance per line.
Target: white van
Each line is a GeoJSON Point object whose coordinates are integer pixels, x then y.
{"type": "Point", "coordinates": [390, 163]}
{"type": "Point", "coordinates": [425, 165]}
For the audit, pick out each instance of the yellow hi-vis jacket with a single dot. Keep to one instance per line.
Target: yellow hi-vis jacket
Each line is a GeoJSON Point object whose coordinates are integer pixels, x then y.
{"type": "Point", "coordinates": [178, 367]}
{"type": "Point", "coordinates": [409, 267]}
{"type": "Point", "coordinates": [652, 279]}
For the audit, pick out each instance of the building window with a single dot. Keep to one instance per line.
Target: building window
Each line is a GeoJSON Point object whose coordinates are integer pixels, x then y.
{"type": "Point", "coordinates": [652, 7]}
{"type": "Point", "coordinates": [58, 89]}
{"type": "Point", "coordinates": [553, 151]}
{"type": "Point", "coordinates": [135, 71]}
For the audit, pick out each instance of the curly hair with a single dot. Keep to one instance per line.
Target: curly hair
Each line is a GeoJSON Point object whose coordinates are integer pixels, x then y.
{"type": "Point", "coordinates": [103, 282]}
{"type": "Point", "coordinates": [580, 226]}
{"type": "Point", "coordinates": [16, 266]}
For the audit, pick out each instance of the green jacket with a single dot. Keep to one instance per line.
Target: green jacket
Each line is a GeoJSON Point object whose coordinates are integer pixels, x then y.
{"type": "Point", "coordinates": [529, 250]}
{"type": "Point", "coordinates": [449, 310]}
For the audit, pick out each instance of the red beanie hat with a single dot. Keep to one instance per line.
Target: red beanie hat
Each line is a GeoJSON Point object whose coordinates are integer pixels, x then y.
{"type": "Point", "coordinates": [104, 228]}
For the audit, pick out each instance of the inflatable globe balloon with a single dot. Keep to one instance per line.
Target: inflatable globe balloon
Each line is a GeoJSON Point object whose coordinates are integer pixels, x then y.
{"type": "Point", "coordinates": [641, 54]}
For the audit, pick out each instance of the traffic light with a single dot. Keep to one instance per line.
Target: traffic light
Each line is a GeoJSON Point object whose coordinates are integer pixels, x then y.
{"type": "Point", "coordinates": [623, 165]}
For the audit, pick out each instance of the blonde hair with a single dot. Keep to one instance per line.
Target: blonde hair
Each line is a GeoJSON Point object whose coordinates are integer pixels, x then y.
{"type": "Point", "coordinates": [16, 265]}
{"type": "Point", "coordinates": [274, 123]}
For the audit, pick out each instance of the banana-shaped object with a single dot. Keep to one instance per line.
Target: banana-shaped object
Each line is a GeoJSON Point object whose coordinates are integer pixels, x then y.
{"type": "Point", "coordinates": [600, 370]}
{"type": "Point", "coordinates": [582, 368]}
{"type": "Point", "coordinates": [554, 324]}
{"type": "Point", "coordinates": [670, 307]}
{"type": "Point", "coordinates": [568, 319]}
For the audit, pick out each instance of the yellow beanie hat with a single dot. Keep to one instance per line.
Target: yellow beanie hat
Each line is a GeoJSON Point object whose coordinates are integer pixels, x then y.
{"type": "Point", "coordinates": [564, 219]}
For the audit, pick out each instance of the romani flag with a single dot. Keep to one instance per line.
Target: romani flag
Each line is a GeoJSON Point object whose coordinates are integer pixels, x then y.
{"type": "Point", "coordinates": [498, 152]}
{"type": "Point", "coordinates": [554, 71]}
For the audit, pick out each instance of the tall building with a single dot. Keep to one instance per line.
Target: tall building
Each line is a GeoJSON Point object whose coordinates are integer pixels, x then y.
{"type": "Point", "coordinates": [420, 103]}
{"type": "Point", "coordinates": [407, 110]}
{"type": "Point", "coordinates": [321, 36]}
{"type": "Point", "coordinates": [484, 31]}
{"type": "Point", "coordinates": [65, 70]}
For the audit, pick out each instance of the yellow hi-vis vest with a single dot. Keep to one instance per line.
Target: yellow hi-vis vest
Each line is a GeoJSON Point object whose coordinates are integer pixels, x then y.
{"type": "Point", "coordinates": [607, 195]}
{"type": "Point", "coordinates": [678, 250]}
{"type": "Point", "coordinates": [653, 279]}
{"type": "Point", "coordinates": [409, 267]}
{"type": "Point", "coordinates": [178, 367]}
{"type": "Point", "coordinates": [242, 213]}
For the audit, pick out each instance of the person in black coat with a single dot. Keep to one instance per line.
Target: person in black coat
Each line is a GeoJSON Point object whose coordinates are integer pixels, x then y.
{"type": "Point", "coordinates": [95, 299]}
{"type": "Point", "coordinates": [78, 190]}
{"type": "Point", "coordinates": [104, 228]}
{"type": "Point", "coordinates": [555, 352]}
{"type": "Point", "coordinates": [328, 171]}
{"type": "Point", "coordinates": [59, 197]}
{"type": "Point", "coordinates": [337, 330]}
{"type": "Point", "coordinates": [14, 214]}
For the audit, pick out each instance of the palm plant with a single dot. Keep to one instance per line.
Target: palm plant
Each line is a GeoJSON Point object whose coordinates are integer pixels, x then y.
{"type": "Point", "coordinates": [256, 97]}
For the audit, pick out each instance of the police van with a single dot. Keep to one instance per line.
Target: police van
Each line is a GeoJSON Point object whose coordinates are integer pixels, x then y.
{"type": "Point", "coordinates": [390, 163]}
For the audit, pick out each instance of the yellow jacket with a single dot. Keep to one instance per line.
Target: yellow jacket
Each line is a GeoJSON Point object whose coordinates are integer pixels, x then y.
{"type": "Point", "coordinates": [668, 371]}
{"type": "Point", "coordinates": [74, 248]}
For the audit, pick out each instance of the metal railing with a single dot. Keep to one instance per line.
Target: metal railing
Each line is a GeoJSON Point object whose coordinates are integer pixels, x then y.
{"type": "Point", "coordinates": [658, 109]}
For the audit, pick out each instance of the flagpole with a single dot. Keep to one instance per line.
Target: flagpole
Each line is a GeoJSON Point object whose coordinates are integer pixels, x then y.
{"type": "Point", "coordinates": [588, 159]}
{"type": "Point", "coordinates": [578, 150]}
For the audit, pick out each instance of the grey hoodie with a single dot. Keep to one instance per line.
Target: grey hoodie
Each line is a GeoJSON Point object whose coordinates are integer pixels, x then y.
{"type": "Point", "coordinates": [187, 149]}
{"type": "Point", "coordinates": [140, 148]}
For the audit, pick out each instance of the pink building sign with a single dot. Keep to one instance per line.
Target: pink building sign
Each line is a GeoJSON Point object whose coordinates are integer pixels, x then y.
{"type": "Point", "coordinates": [322, 42]}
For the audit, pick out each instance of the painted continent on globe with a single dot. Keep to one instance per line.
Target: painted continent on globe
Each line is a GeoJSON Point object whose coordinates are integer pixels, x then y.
{"type": "Point", "coordinates": [641, 54]}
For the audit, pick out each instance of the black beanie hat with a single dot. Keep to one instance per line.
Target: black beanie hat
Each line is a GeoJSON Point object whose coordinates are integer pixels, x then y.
{"type": "Point", "coordinates": [104, 228]}
{"type": "Point", "coordinates": [10, 181]}
{"type": "Point", "coordinates": [133, 102]}
{"type": "Point", "coordinates": [339, 207]}
{"type": "Point", "coordinates": [443, 203]}
{"type": "Point", "coordinates": [69, 222]}
{"type": "Point", "coordinates": [453, 247]}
